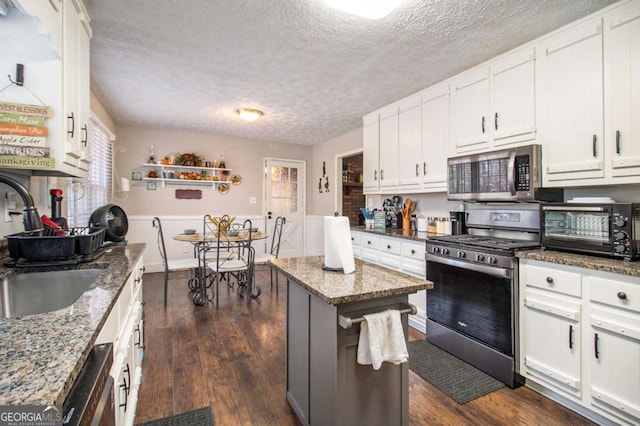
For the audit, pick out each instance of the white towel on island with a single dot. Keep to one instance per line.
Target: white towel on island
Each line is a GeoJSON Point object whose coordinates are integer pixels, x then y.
{"type": "Point", "coordinates": [382, 339]}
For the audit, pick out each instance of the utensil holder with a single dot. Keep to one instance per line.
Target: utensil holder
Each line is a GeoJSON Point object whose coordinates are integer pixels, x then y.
{"type": "Point", "coordinates": [406, 223]}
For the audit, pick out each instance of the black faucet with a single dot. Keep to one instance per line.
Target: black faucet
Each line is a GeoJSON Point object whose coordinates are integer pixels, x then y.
{"type": "Point", "coordinates": [30, 215]}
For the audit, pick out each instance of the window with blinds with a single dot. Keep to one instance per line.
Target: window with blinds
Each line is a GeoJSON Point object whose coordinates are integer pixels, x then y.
{"type": "Point", "coordinates": [84, 197]}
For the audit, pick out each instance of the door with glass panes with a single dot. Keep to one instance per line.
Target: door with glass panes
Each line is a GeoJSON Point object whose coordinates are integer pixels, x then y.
{"type": "Point", "coordinates": [284, 196]}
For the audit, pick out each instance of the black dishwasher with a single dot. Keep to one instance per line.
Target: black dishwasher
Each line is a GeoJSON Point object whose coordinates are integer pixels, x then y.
{"type": "Point", "coordinates": [90, 401]}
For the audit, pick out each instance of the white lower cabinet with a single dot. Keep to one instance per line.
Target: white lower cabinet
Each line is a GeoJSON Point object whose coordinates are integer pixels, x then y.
{"type": "Point", "coordinates": [581, 337]}
{"type": "Point", "coordinates": [125, 328]}
{"type": "Point", "coordinates": [400, 254]}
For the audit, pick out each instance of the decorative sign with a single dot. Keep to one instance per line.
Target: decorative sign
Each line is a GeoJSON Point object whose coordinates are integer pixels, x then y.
{"type": "Point", "coordinates": [22, 140]}
{"type": "Point", "coordinates": [24, 109]}
{"type": "Point", "coordinates": [23, 120]}
{"type": "Point", "coordinates": [23, 136]}
{"type": "Point", "coordinates": [27, 162]}
{"type": "Point", "coordinates": [188, 194]}
{"type": "Point", "coordinates": [16, 129]}
{"type": "Point", "coordinates": [25, 151]}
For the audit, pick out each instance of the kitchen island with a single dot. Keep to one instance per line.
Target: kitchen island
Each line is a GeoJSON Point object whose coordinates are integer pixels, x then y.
{"type": "Point", "coordinates": [42, 354]}
{"type": "Point", "coordinates": [324, 383]}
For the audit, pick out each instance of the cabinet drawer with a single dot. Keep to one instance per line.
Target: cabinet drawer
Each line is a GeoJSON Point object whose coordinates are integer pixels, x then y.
{"type": "Point", "coordinates": [356, 238]}
{"type": "Point", "coordinates": [370, 241]}
{"type": "Point", "coordinates": [614, 293]}
{"type": "Point", "coordinates": [551, 279]}
{"type": "Point", "coordinates": [390, 245]}
{"type": "Point", "coordinates": [413, 250]}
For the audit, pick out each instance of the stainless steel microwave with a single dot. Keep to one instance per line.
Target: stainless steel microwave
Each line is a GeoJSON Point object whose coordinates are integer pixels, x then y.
{"type": "Point", "coordinates": [607, 229]}
{"type": "Point", "coordinates": [506, 175]}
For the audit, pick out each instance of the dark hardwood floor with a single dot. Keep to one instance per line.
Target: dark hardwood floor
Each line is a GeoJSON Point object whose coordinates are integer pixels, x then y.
{"type": "Point", "coordinates": [232, 359]}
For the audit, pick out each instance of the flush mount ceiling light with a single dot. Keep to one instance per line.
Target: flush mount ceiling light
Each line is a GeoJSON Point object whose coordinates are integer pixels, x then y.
{"type": "Point", "coordinates": [370, 9]}
{"type": "Point", "coordinates": [249, 114]}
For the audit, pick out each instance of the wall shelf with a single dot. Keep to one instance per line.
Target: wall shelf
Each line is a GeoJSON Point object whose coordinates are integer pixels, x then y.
{"type": "Point", "coordinates": [167, 173]}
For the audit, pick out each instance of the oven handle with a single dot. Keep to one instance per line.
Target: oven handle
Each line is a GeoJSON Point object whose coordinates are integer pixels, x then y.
{"type": "Point", "coordinates": [511, 178]}
{"type": "Point", "coordinates": [485, 269]}
{"type": "Point", "coordinates": [577, 208]}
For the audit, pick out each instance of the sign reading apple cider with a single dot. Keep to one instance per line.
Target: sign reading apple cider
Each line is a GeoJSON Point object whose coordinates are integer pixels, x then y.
{"type": "Point", "coordinates": [23, 136]}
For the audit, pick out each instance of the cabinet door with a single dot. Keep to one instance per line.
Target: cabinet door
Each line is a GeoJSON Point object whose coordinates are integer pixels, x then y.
{"type": "Point", "coordinates": [84, 90]}
{"type": "Point", "coordinates": [622, 71]}
{"type": "Point", "coordinates": [49, 14]}
{"type": "Point", "coordinates": [435, 138]}
{"type": "Point", "coordinates": [389, 148]}
{"type": "Point", "coordinates": [70, 69]}
{"type": "Point", "coordinates": [371, 154]}
{"type": "Point", "coordinates": [614, 352]}
{"type": "Point", "coordinates": [573, 104]}
{"type": "Point", "coordinates": [513, 99]}
{"type": "Point", "coordinates": [470, 111]}
{"type": "Point", "coordinates": [409, 143]}
{"type": "Point", "coordinates": [552, 342]}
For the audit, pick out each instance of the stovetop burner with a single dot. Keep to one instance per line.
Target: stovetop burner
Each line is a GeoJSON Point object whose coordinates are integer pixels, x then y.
{"type": "Point", "coordinates": [483, 241]}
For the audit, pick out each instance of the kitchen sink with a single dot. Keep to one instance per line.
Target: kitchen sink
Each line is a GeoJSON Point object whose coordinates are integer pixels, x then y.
{"type": "Point", "coordinates": [30, 293]}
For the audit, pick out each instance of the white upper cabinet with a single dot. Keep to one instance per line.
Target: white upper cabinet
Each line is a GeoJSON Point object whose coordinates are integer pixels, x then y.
{"type": "Point", "coordinates": [49, 17]}
{"type": "Point", "coordinates": [513, 98]}
{"type": "Point", "coordinates": [435, 138]}
{"type": "Point", "coordinates": [371, 153]}
{"type": "Point", "coordinates": [389, 148]}
{"type": "Point", "coordinates": [410, 143]}
{"type": "Point", "coordinates": [76, 35]}
{"type": "Point", "coordinates": [622, 91]}
{"type": "Point", "coordinates": [470, 111]}
{"type": "Point", "coordinates": [494, 105]}
{"type": "Point", "coordinates": [572, 103]}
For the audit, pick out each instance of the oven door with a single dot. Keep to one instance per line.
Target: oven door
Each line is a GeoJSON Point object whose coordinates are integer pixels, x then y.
{"type": "Point", "coordinates": [472, 299]}
{"type": "Point", "coordinates": [578, 227]}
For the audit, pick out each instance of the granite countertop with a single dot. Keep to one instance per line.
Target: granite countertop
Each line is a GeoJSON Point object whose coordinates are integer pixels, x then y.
{"type": "Point", "coordinates": [368, 282]}
{"type": "Point", "coordinates": [41, 355]}
{"type": "Point", "coordinates": [397, 233]}
{"type": "Point", "coordinates": [604, 264]}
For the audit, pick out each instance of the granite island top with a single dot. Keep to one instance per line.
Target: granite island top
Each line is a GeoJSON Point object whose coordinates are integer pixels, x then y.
{"type": "Point", "coordinates": [369, 281]}
{"type": "Point", "coordinates": [597, 263]}
{"type": "Point", "coordinates": [41, 355]}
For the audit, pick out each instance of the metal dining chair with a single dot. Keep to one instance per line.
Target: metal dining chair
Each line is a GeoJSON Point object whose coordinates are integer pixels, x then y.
{"type": "Point", "coordinates": [265, 258]}
{"type": "Point", "coordinates": [174, 264]}
{"type": "Point", "coordinates": [230, 261]}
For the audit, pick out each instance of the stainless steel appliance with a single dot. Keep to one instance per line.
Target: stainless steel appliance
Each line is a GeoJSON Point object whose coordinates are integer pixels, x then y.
{"type": "Point", "coordinates": [472, 311]}
{"type": "Point", "coordinates": [90, 401]}
{"type": "Point", "coordinates": [606, 229]}
{"type": "Point", "coordinates": [506, 175]}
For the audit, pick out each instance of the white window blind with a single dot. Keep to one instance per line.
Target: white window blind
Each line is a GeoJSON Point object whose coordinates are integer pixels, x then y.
{"type": "Point", "coordinates": [95, 191]}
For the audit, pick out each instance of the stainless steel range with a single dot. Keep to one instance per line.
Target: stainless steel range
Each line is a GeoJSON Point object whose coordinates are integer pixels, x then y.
{"type": "Point", "coordinates": [473, 308]}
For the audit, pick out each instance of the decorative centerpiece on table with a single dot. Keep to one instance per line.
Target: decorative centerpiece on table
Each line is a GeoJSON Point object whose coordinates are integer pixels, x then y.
{"type": "Point", "coordinates": [188, 159]}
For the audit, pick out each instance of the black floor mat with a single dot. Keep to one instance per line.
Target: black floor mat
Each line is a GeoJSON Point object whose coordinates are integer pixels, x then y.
{"type": "Point", "coordinates": [461, 381]}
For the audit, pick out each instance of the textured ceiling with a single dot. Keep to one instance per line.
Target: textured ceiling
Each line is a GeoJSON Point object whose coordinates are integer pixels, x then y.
{"type": "Point", "coordinates": [189, 64]}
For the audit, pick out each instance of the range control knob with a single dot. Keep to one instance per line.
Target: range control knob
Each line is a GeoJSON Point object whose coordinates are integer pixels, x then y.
{"type": "Point", "coordinates": [461, 254]}
{"type": "Point", "coordinates": [492, 260]}
{"type": "Point", "coordinates": [620, 247]}
{"type": "Point", "coordinates": [435, 249]}
{"type": "Point", "coordinates": [620, 236]}
{"type": "Point", "coordinates": [479, 257]}
{"type": "Point", "coordinates": [445, 250]}
{"type": "Point", "coordinates": [619, 222]}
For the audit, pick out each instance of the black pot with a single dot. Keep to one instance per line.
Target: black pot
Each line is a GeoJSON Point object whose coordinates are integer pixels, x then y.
{"type": "Point", "coordinates": [113, 218]}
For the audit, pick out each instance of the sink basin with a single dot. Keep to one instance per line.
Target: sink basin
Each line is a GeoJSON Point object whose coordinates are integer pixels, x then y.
{"type": "Point", "coordinates": [30, 293]}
